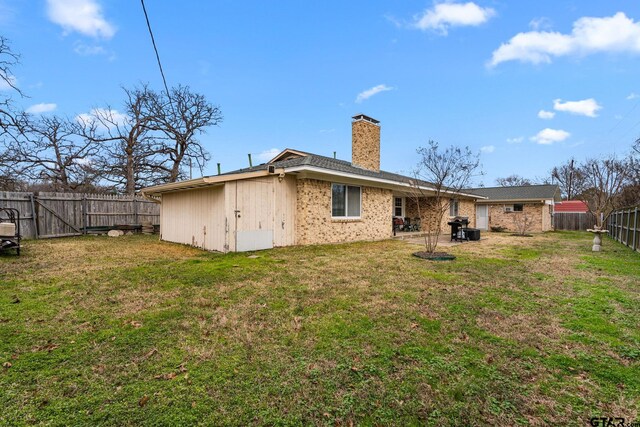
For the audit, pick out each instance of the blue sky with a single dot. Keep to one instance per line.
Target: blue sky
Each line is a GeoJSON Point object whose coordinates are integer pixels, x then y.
{"type": "Point", "coordinates": [528, 84]}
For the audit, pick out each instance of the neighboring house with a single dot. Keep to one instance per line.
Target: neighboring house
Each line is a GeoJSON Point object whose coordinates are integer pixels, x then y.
{"type": "Point", "coordinates": [571, 206]}
{"type": "Point", "coordinates": [504, 205]}
{"type": "Point", "coordinates": [297, 198]}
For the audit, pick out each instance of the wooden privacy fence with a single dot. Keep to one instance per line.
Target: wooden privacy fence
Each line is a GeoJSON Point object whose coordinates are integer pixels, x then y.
{"type": "Point", "coordinates": [623, 226]}
{"type": "Point", "coordinates": [573, 221]}
{"type": "Point", "coordinates": [45, 215]}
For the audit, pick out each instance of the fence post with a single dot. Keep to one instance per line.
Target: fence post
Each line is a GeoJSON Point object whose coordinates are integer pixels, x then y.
{"type": "Point", "coordinates": [84, 214]}
{"type": "Point", "coordinates": [135, 211]}
{"type": "Point", "coordinates": [635, 228]}
{"type": "Point", "coordinates": [626, 239]}
{"type": "Point", "coordinates": [34, 215]}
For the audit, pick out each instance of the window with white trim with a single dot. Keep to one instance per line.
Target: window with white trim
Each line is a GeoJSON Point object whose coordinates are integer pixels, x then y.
{"type": "Point", "coordinates": [518, 207]}
{"type": "Point", "coordinates": [345, 201]}
{"type": "Point", "coordinates": [398, 207]}
{"type": "Point", "coordinates": [453, 207]}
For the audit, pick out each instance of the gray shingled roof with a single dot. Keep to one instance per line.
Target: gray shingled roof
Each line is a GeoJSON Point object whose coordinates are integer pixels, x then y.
{"type": "Point", "coordinates": [330, 164]}
{"type": "Point", "coordinates": [525, 192]}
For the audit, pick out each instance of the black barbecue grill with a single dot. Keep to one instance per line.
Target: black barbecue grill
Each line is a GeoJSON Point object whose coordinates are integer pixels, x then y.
{"type": "Point", "coordinates": [459, 228]}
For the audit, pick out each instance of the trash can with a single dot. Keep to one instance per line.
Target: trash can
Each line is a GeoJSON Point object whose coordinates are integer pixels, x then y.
{"type": "Point", "coordinates": [473, 233]}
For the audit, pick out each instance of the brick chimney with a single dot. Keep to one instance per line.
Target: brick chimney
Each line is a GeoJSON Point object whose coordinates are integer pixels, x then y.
{"type": "Point", "coordinates": [365, 142]}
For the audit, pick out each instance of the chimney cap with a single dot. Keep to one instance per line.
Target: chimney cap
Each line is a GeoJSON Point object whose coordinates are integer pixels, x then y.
{"type": "Point", "coordinates": [360, 116]}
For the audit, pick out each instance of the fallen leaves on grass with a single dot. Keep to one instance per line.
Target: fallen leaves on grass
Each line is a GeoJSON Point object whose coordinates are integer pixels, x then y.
{"type": "Point", "coordinates": [47, 347]}
{"type": "Point", "coordinates": [7, 365]}
{"type": "Point", "coordinates": [150, 353]}
{"type": "Point", "coordinates": [171, 375]}
{"type": "Point", "coordinates": [143, 401]}
{"type": "Point", "coordinates": [168, 376]}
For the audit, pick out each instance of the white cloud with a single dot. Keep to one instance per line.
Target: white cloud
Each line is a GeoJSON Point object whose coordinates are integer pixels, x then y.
{"type": "Point", "coordinates": [586, 107]}
{"type": "Point", "coordinates": [516, 140]}
{"type": "Point", "coordinates": [488, 149]}
{"type": "Point", "coordinates": [84, 162]}
{"type": "Point", "coordinates": [41, 108]}
{"type": "Point", "coordinates": [616, 33]}
{"type": "Point", "coordinates": [549, 136]}
{"type": "Point", "coordinates": [8, 83]}
{"type": "Point", "coordinates": [267, 155]}
{"type": "Point", "coordinates": [449, 14]}
{"type": "Point", "coordinates": [82, 16]}
{"type": "Point", "coordinates": [546, 115]}
{"type": "Point", "coordinates": [633, 95]}
{"type": "Point", "coordinates": [540, 24]}
{"type": "Point", "coordinates": [87, 50]}
{"type": "Point", "coordinates": [366, 94]}
{"type": "Point", "coordinates": [110, 118]}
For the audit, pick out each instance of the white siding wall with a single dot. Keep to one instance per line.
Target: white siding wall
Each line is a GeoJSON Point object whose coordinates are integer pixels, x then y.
{"type": "Point", "coordinates": [285, 211]}
{"type": "Point", "coordinates": [267, 203]}
{"type": "Point", "coordinates": [194, 217]}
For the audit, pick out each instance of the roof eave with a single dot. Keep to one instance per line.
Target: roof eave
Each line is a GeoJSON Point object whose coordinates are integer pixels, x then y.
{"type": "Point", "coordinates": [403, 185]}
{"type": "Point", "coordinates": [206, 181]}
{"type": "Point", "coordinates": [536, 200]}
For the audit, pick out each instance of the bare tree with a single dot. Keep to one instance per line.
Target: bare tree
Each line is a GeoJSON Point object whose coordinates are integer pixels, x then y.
{"type": "Point", "coordinates": [8, 117]}
{"type": "Point", "coordinates": [522, 222]}
{"type": "Point", "coordinates": [131, 155]}
{"type": "Point", "coordinates": [440, 175]}
{"type": "Point", "coordinates": [569, 178]}
{"type": "Point", "coordinates": [50, 151]}
{"type": "Point", "coordinates": [181, 116]}
{"type": "Point", "coordinates": [8, 59]}
{"type": "Point", "coordinates": [603, 180]}
{"type": "Point", "coordinates": [513, 181]}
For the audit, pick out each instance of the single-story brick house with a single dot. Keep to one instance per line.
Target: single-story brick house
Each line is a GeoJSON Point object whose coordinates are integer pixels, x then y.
{"type": "Point", "coordinates": [503, 205]}
{"type": "Point", "coordinates": [297, 198]}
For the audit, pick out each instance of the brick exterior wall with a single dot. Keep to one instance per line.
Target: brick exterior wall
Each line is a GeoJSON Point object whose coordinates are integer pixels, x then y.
{"type": "Point", "coordinates": [465, 208]}
{"type": "Point", "coordinates": [314, 224]}
{"type": "Point", "coordinates": [365, 149]}
{"type": "Point", "coordinates": [539, 214]}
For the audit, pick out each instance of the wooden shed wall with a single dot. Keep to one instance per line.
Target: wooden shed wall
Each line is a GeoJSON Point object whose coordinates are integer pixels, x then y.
{"type": "Point", "coordinates": [285, 211]}
{"type": "Point", "coordinates": [194, 217]}
{"type": "Point", "coordinates": [267, 203]}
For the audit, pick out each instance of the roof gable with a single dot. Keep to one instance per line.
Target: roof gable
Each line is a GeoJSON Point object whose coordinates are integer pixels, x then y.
{"type": "Point", "coordinates": [288, 154]}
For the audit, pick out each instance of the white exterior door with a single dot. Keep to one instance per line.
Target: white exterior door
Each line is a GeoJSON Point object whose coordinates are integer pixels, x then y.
{"type": "Point", "coordinates": [254, 215]}
{"type": "Point", "coordinates": [482, 217]}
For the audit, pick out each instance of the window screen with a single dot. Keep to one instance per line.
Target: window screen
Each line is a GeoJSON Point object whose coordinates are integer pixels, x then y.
{"type": "Point", "coordinates": [453, 207]}
{"type": "Point", "coordinates": [345, 200]}
{"type": "Point", "coordinates": [338, 200]}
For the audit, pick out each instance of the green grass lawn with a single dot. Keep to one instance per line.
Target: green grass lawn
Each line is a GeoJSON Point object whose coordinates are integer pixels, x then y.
{"type": "Point", "coordinates": [132, 331]}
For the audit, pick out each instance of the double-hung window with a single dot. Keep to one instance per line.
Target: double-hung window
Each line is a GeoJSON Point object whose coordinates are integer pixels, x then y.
{"type": "Point", "coordinates": [345, 201]}
{"type": "Point", "coordinates": [453, 207]}
{"type": "Point", "coordinates": [398, 207]}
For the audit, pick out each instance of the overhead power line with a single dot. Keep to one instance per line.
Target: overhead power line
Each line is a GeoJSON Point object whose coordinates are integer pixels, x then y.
{"type": "Point", "coordinates": [155, 48]}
